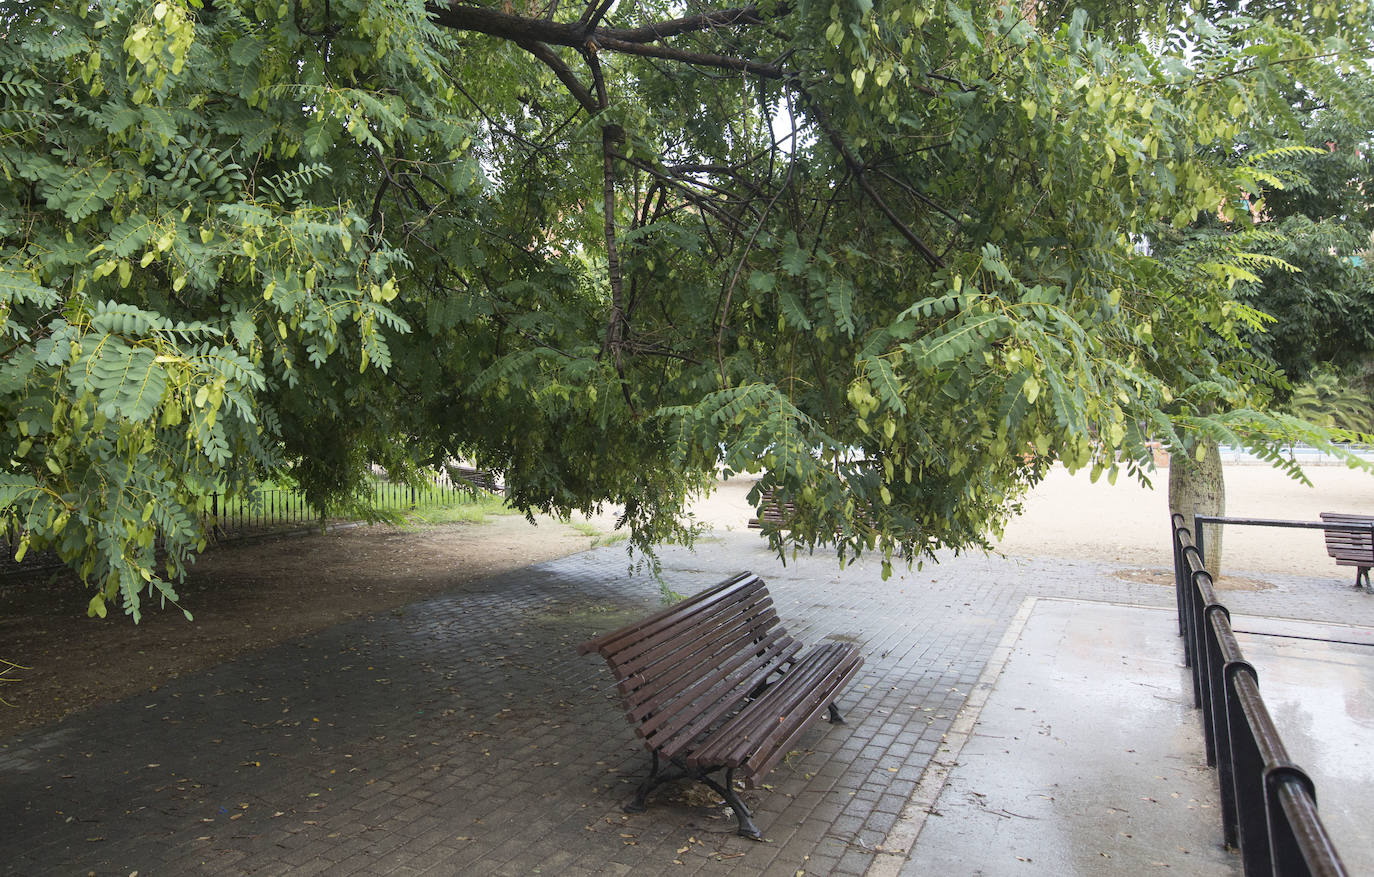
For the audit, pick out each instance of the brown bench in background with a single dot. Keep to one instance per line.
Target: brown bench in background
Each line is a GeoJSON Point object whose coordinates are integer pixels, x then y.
{"type": "Point", "coordinates": [773, 513]}
{"type": "Point", "coordinates": [715, 684]}
{"type": "Point", "coordinates": [478, 478]}
{"type": "Point", "coordinates": [1351, 547]}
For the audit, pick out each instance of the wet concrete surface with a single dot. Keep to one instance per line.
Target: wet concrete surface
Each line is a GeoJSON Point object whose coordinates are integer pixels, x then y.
{"type": "Point", "coordinates": [1087, 758]}
{"type": "Point", "coordinates": [1320, 692]}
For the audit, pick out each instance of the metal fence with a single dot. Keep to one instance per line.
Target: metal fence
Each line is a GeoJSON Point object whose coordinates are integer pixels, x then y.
{"type": "Point", "coordinates": [280, 508]}
{"type": "Point", "coordinates": [1341, 523]}
{"type": "Point", "coordinates": [1268, 803]}
{"type": "Point", "coordinates": [273, 510]}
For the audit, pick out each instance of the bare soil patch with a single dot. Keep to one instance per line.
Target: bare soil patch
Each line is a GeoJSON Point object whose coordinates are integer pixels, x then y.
{"type": "Point", "coordinates": [244, 597]}
{"type": "Point", "coordinates": [1165, 578]}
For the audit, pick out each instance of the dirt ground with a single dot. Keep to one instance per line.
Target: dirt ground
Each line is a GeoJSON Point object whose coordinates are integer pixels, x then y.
{"type": "Point", "coordinates": [249, 596]}
{"type": "Point", "coordinates": [244, 597]}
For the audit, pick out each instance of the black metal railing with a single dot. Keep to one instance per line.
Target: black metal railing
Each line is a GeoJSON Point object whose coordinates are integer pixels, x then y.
{"type": "Point", "coordinates": [1268, 803]}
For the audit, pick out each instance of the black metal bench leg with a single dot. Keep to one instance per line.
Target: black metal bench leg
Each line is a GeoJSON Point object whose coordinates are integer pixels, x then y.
{"type": "Point", "coordinates": [1362, 576]}
{"type": "Point", "coordinates": [655, 779]}
{"type": "Point", "coordinates": [641, 799]}
{"type": "Point", "coordinates": [742, 814]}
{"type": "Point", "coordinates": [835, 717]}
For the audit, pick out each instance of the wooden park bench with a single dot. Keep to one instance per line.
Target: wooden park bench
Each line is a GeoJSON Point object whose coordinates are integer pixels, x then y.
{"type": "Point", "coordinates": [478, 478]}
{"type": "Point", "coordinates": [714, 683]}
{"type": "Point", "coordinates": [1351, 547]}
{"type": "Point", "coordinates": [773, 513]}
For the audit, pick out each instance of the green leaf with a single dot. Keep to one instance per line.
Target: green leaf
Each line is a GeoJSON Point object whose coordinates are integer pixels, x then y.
{"type": "Point", "coordinates": [794, 257]}
{"type": "Point", "coordinates": [840, 297]}
{"type": "Point", "coordinates": [885, 381]}
{"type": "Point", "coordinates": [964, 22]}
{"type": "Point", "coordinates": [793, 311]}
{"type": "Point", "coordinates": [16, 286]}
{"type": "Point", "coordinates": [12, 486]}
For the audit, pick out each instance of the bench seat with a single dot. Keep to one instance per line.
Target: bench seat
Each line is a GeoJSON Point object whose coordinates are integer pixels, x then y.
{"type": "Point", "coordinates": [714, 684]}
{"type": "Point", "coordinates": [1351, 547]}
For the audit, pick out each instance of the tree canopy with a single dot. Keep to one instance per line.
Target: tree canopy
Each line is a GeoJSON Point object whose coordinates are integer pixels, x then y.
{"type": "Point", "coordinates": [892, 256]}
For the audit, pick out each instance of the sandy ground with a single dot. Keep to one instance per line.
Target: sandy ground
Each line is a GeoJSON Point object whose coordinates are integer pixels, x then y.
{"type": "Point", "coordinates": [1069, 516]}
{"type": "Point", "coordinates": [1128, 523]}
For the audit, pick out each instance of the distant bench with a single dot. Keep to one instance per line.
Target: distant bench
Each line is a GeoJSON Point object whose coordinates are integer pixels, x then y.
{"type": "Point", "coordinates": [773, 512]}
{"type": "Point", "coordinates": [714, 683]}
{"type": "Point", "coordinates": [479, 478]}
{"type": "Point", "coordinates": [1351, 547]}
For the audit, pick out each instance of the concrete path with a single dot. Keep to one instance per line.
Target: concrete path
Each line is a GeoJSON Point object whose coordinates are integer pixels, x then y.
{"type": "Point", "coordinates": [466, 736]}
{"type": "Point", "coordinates": [1085, 759]}
{"type": "Point", "coordinates": [1318, 684]}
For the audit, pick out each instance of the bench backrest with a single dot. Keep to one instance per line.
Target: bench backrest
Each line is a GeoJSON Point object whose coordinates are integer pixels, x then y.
{"type": "Point", "coordinates": [684, 667]}
{"type": "Point", "coordinates": [1349, 544]}
{"type": "Point", "coordinates": [772, 511]}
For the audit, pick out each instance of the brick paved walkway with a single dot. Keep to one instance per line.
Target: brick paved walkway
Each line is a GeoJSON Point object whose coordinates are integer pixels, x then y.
{"type": "Point", "coordinates": [465, 735]}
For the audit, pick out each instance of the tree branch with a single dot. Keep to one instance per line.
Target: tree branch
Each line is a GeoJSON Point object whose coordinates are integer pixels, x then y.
{"type": "Point", "coordinates": [595, 11]}
{"type": "Point", "coordinates": [562, 71]}
{"type": "Point", "coordinates": [632, 41]}
{"type": "Point", "coordinates": [860, 174]}
{"type": "Point", "coordinates": [699, 59]}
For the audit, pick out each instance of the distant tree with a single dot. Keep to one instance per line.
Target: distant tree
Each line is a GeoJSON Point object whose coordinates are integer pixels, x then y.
{"type": "Point", "coordinates": [1320, 223]}
{"type": "Point", "coordinates": [887, 256]}
{"type": "Point", "coordinates": [1294, 235]}
{"type": "Point", "coordinates": [1328, 399]}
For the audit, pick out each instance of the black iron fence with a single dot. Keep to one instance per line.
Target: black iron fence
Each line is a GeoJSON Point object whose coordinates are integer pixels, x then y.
{"type": "Point", "coordinates": [1268, 803]}
{"type": "Point", "coordinates": [1199, 532]}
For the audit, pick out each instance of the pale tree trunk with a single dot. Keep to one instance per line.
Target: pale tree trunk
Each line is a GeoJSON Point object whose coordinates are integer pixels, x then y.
{"type": "Point", "coordinates": [1197, 487]}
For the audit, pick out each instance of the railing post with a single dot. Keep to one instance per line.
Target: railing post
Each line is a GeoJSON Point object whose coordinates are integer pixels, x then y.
{"type": "Point", "coordinates": [1284, 846]}
{"type": "Point", "coordinates": [1199, 540]}
{"type": "Point", "coordinates": [1177, 525]}
{"type": "Point", "coordinates": [1247, 765]}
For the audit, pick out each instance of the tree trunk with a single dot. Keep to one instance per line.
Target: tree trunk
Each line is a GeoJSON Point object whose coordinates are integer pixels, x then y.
{"type": "Point", "coordinates": [1197, 487]}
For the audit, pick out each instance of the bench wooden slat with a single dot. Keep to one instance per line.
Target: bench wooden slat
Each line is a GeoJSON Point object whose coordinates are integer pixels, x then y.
{"type": "Point", "coordinates": [651, 644]}
{"type": "Point", "coordinates": [772, 511]}
{"type": "Point", "coordinates": [757, 723]}
{"type": "Point", "coordinates": [754, 612]}
{"type": "Point", "coordinates": [765, 760]}
{"type": "Point", "coordinates": [698, 650]}
{"type": "Point", "coordinates": [725, 696]}
{"type": "Point", "coordinates": [1349, 547]}
{"type": "Point", "coordinates": [614, 640]}
{"type": "Point", "coordinates": [693, 680]}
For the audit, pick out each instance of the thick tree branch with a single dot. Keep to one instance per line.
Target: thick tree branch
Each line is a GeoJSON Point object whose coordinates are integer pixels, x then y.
{"type": "Point", "coordinates": [562, 71]}
{"type": "Point", "coordinates": [859, 169]}
{"type": "Point", "coordinates": [595, 11]}
{"type": "Point", "coordinates": [692, 24]}
{"type": "Point", "coordinates": [562, 33]}
{"type": "Point", "coordinates": [633, 41]}
{"type": "Point", "coordinates": [699, 59]}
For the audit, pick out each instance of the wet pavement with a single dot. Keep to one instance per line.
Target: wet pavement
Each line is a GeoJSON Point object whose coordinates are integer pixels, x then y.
{"type": "Point", "coordinates": [465, 735]}
{"type": "Point", "coordinates": [1085, 758]}
{"type": "Point", "coordinates": [1318, 684]}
